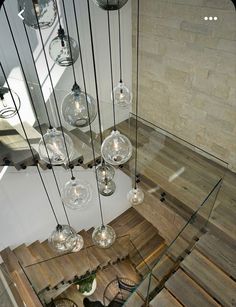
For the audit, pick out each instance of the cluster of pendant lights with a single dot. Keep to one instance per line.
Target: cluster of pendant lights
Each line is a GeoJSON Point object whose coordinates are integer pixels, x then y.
{"type": "Point", "coordinates": [78, 110]}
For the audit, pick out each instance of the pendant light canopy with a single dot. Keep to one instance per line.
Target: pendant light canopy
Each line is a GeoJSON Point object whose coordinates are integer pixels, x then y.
{"type": "Point", "coordinates": [59, 49]}
{"type": "Point", "coordinates": [135, 196]}
{"type": "Point", "coordinates": [107, 188]}
{"type": "Point", "coordinates": [122, 95]}
{"type": "Point", "coordinates": [7, 106]}
{"type": "Point", "coordinates": [110, 4]}
{"type": "Point", "coordinates": [74, 108]}
{"type": "Point", "coordinates": [105, 172]}
{"type": "Point", "coordinates": [55, 151]}
{"type": "Point", "coordinates": [76, 194]}
{"type": "Point", "coordinates": [116, 148]}
{"type": "Point", "coordinates": [45, 9]}
{"type": "Point", "coordinates": [63, 239]}
{"type": "Point", "coordinates": [104, 236]}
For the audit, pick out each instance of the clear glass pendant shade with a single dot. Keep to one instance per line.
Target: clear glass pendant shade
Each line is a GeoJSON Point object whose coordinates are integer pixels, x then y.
{"type": "Point", "coordinates": [116, 148]}
{"type": "Point", "coordinates": [63, 238]}
{"type": "Point", "coordinates": [104, 236]}
{"type": "Point", "coordinates": [74, 108]}
{"type": "Point", "coordinates": [105, 172]}
{"type": "Point", "coordinates": [59, 49]}
{"type": "Point", "coordinates": [110, 4]}
{"type": "Point", "coordinates": [107, 188]}
{"type": "Point", "coordinates": [76, 194]}
{"type": "Point", "coordinates": [45, 9]}
{"type": "Point", "coordinates": [135, 196]}
{"type": "Point", "coordinates": [7, 107]}
{"type": "Point", "coordinates": [122, 95]}
{"type": "Point", "coordinates": [55, 147]}
{"type": "Point", "coordinates": [79, 243]}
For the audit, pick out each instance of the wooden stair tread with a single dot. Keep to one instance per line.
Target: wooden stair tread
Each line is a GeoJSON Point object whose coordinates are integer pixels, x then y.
{"type": "Point", "coordinates": [63, 262]}
{"type": "Point", "coordinates": [81, 262]}
{"type": "Point", "coordinates": [164, 299]}
{"type": "Point", "coordinates": [210, 277]}
{"type": "Point", "coordinates": [34, 272]}
{"type": "Point", "coordinates": [163, 267]}
{"type": "Point", "coordinates": [188, 292]}
{"type": "Point", "coordinates": [219, 252]}
{"type": "Point", "coordinates": [50, 268]}
{"type": "Point", "coordinates": [134, 300]}
{"type": "Point", "coordinates": [147, 285]}
{"type": "Point", "coordinates": [84, 137]}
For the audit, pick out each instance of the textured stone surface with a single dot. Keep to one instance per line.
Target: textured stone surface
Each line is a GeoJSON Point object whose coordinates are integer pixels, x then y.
{"type": "Point", "coordinates": [188, 71]}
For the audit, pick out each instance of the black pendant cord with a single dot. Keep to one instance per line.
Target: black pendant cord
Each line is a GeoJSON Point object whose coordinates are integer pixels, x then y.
{"type": "Point", "coordinates": [85, 89]}
{"type": "Point", "coordinates": [54, 94]}
{"type": "Point", "coordinates": [112, 83]}
{"type": "Point", "coordinates": [95, 73]}
{"type": "Point", "coordinates": [67, 29]}
{"type": "Point", "coordinates": [26, 136]}
{"type": "Point", "coordinates": [137, 96]}
{"type": "Point", "coordinates": [120, 48]}
{"type": "Point", "coordinates": [58, 16]}
{"type": "Point", "coordinates": [38, 121]}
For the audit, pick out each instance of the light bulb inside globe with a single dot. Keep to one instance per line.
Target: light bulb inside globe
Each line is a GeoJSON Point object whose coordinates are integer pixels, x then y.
{"type": "Point", "coordinates": [135, 196]}
{"type": "Point", "coordinates": [79, 244]}
{"type": "Point", "coordinates": [105, 172]}
{"type": "Point", "coordinates": [59, 49]}
{"type": "Point", "coordinates": [104, 236]}
{"type": "Point", "coordinates": [116, 149]}
{"type": "Point", "coordinates": [45, 9]}
{"type": "Point", "coordinates": [63, 239]}
{"type": "Point", "coordinates": [76, 194]}
{"type": "Point", "coordinates": [74, 108]}
{"type": "Point", "coordinates": [107, 188]}
{"type": "Point", "coordinates": [7, 106]}
{"type": "Point", "coordinates": [55, 151]}
{"type": "Point", "coordinates": [110, 4]}
{"type": "Point", "coordinates": [122, 95]}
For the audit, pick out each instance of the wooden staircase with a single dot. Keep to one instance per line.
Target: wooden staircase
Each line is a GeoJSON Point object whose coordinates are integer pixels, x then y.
{"type": "Point", "coordinates": [51, 273]}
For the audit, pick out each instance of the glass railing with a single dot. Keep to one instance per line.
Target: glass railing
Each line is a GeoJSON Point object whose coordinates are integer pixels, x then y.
{"type": "Point", "coordinates": [170, 259]}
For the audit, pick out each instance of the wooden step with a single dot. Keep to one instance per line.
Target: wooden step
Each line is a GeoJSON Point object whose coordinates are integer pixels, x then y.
{"type": "Point", "coordinates": [134, 300]}
{"type": "Point", "coordinates": [50, 268]}
{"type": "Point", "coordinates": [210, 277]}
{"type": "Point", "coordinates": [163, 267]}
{"type": "Point", "coordinates": [219, 252]}
{"type": "Point", "coordinates": [188, 292]}
{"type": "Point", "coordinates": [147, 286]}
{"type": "Point", "coordinates": [35, 272]}
{"type": "Point", "coordinates": [63, 262]}
{"type": "Point", "coordinates": [86, 138]}
{"type": "Point", "coordinates": [165, 299]}
{"type": "Point", "coordinates": [13, 147]}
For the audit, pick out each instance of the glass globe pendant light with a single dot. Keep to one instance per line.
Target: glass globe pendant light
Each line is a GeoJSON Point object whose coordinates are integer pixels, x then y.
{"type": "Point", "coordinates": [63, 239]}
{"type": "Point", "coordinates": [79, 243]}
{"type": "Point", "coordinates": [135, 196]}
{"type": "Point", "coordinates": [122, 95]}
{"type": "Point", "coordinates": [59, 49]}
{"type": "Point", "coordinates": [107, 188]}
{"type": "Point", "coordinates": [116, 148]}
{"type": "Point", "coordinates": [7, 106]}
{"type": "Point", "coordinates": [110, 4]}
{"type": "Point", "coordinates": [104, 236]}
{"type": "Point", "coordinates": [45, 10]}
{"type": "Point", "coordinates": [74, 108]}
{"type": "Point", "coordinates": [76, 194]}
{"type": "Point", "coordinates": [105, 172]}
{"type": "Point", "coordinates": [55, 147]}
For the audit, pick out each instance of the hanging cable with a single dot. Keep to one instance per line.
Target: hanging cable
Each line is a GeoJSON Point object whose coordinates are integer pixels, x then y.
{"type": "Point", "coordinates": [26, 136]}
{"type": "Point", "coordinates": [85, 90]}
{"type": "Point", "coordinates": [120, 49]}
{"type": "Point", "coordinates": [37, 119]}
{"type": "Point", "coordinates": [95, 72]}
{"type": "Point", "coordinates": [110, 54]}
{"type": "Point", "coordinates": [53, 92]}
{"type": "Point", "coordinates": [58, 16]}
{"type": "Point", "coordinates": [137, 96]}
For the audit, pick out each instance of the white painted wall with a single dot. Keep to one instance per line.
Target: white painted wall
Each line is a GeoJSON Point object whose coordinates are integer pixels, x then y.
{"type": "Point", "coordinates": [25, 212]}
{"type": "Point", "coordinates": [62, 77]}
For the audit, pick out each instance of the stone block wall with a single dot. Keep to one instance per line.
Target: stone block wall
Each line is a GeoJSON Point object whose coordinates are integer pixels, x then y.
{"type": "Point", "coordinates": [188, 71]}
